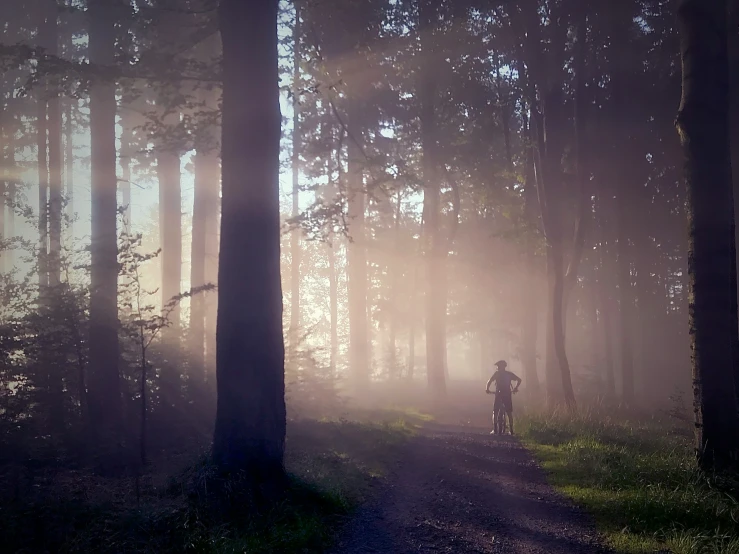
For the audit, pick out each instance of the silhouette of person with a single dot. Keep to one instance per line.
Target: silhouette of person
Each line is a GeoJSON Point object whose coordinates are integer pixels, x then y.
{"type": "Point", "coordinates": [504, 380]}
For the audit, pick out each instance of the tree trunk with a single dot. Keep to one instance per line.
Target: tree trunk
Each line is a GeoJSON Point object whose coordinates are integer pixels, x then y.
{"type": "Point", "coordinates": [733, 45]}
{"type": "Point", "coordinates": [702, 124]}
{"type": "Point", "coordinates": [69, 167]}
{"type": "Point", "coordinates": [435, 245]}
{"type": "Point", "coordinates": [357, 265]}
{"type": "Point", "coordinates": [104, 383]}
{"type": "Point", "coordinates": [170, 229]}
{"type": "Point", "coordinates": [295, 235]}
{"type": "Point", "coordinates": [529, 323]}
{"type": "Point", "coordinates": [212, 224]}
{"type": "Point", "coordinates": [55, 160]}
{"type": "Point", "coordinates": [125, 160]}
{"type": "Point", "coordinates": [395, 276]}
{"type": "Point", "coordinates": [5, 177]}
{"type": "Point", "coordinates": [11, 194]}
{"type": "Point", "coordinates": [251, 418]}
{"type": "Point", "coordinates": [203, 172]}
{"type": "Point", "coordinates": [334, 308]}
{"type": "Point", "coordinates": [43, 190]}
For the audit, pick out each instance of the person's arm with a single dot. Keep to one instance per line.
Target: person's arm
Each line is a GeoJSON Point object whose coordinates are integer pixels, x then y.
{"type": "Point", "coordinates": [490, 382]}
{"type": "Point", "coordinates": [518, 382]}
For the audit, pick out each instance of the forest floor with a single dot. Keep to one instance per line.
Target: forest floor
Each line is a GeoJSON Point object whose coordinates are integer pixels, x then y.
{"type": "Point", "coordinates": [396, 481]}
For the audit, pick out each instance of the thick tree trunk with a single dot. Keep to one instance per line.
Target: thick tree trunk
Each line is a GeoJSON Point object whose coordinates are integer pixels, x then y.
{"type": "Point", "coordinates": [357, 265]}
{"type": "Point", "coordinates": [251, 418]}
{"type": "Point", "coordinates": [702, 123]}
{"type": "Point", "coordinates": [104, 382]}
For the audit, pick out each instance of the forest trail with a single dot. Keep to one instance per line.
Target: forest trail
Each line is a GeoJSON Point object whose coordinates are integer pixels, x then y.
{"type": "Point", "coordinates": [459, 490]}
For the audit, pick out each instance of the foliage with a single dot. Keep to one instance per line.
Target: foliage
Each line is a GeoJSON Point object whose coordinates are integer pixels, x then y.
{"type": "Point", "coordinates": [333, 466]}
{"type": "Point", "coordinates": [638, 478]}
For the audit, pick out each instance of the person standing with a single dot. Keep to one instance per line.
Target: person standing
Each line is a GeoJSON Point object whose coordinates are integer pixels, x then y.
{"type": "Point", "coordinates": [504, 392]}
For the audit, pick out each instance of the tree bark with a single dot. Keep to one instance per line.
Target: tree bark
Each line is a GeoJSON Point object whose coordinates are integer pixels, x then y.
{"type": "Point", "coordinates": [702, 124]}
{"type": "Point", "coordinates": [69, 167]}
{"type": "Point", "coordinates": [395, 275]}
{"type": "Point", "coordinates": [549, 122]}
{"type": "Point", "coordinates": [125, 161]}
{"type": "Point", "coordinates": [10, 195]}
{"type": "Point", "coordinates": [251, 418]}
{"type": "Point", "coordinates": [334, 308]}
{"type": "Point", "coordinates": [170, 229]}
{"type": "Point", "coordinates": [204, 218]}
{"type": "Point", "coordinates": [5, 176]}
{"type": "Point", "coordinates": [529, 323]}
{"type": "Point", "coordinates": [104, 383]}
{"type": "Point", "coordinates": [733, 45]}
{"type": "Point", "coordinates": [435, 243]}
{"type": "Point", "coordinates": [203, 172]}
{"type": "Point", "coordinates": [295, 235]}
{"type": "Point", "coordinates": [357, 263]}
{"type": "Point", "coordinates": [43, 188]}
{"type": "Point", "coordinates": [55, 159]}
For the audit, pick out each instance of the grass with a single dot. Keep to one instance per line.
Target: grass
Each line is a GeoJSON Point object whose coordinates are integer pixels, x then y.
{"type": "Point", "coordinates": [333, 466]}
{"type": "Point", "coordinates": [639, 481]}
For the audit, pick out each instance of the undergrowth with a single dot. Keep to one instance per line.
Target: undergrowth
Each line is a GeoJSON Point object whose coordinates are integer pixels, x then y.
{"type": "Point", "coordinates": [332, 466]}
{"type": "Point", "coordinates": [640, 482]}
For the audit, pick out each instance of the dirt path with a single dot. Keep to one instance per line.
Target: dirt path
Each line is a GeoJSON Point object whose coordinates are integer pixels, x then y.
{"type": "Point", "coordinates": [467, 492]}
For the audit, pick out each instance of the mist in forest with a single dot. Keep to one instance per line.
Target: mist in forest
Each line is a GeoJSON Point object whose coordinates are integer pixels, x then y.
{"type": "Point", "coordinates": [250, 248]}
{"type": "Point", "coordinates": [433, 213]}
{"type": "Point", "coordinates": [440, 185]}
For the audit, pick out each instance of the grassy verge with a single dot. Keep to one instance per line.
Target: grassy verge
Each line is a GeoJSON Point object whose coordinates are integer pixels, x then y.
{"type": "Point", "coordinates": [333, 466]}
{"type": "Point", "coordinates": [639, 481]}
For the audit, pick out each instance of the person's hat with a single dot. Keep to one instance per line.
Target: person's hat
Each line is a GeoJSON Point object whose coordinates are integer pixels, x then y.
{"type": "Point", "coordinates": [501, 363]}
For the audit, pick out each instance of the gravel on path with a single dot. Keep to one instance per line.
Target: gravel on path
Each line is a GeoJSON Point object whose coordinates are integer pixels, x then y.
{"type": "Point", "coordinates": [460, 491]}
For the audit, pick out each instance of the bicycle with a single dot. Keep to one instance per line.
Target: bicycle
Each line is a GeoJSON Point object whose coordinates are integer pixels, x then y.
{"type": "Point", "coordinates": [500, 418]}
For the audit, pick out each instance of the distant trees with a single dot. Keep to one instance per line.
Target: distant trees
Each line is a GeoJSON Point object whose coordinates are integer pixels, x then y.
{"type": "Point", "coordinates": [496, 180]}
{"type": "Point", "coordinates": [250, 420]}
{"type": "Point", "coordinates": [703, 125]}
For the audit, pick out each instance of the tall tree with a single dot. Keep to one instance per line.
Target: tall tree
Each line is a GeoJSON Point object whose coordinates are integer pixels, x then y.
{"type": "Point", "coordinates": [356, 254]}
{"type": "Point", "coordinates": [546, 70]}
{"type": "Point", "coordinates": [56, 164]}
{"type": "Point", "coordinates": [703, 126]}
{"type": "Point", "coordinates": [251, 418]}
{"type": "Point", "coordinates": [44, 39]}
{"type": "Point", "coordinates": [295, 236]}
{"type": "Point", "coordinates": [104, 382]}
{"type": "Point", "coordinates": [436, 295]}
{"type": "Point", "coordinates": [204, 214]}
